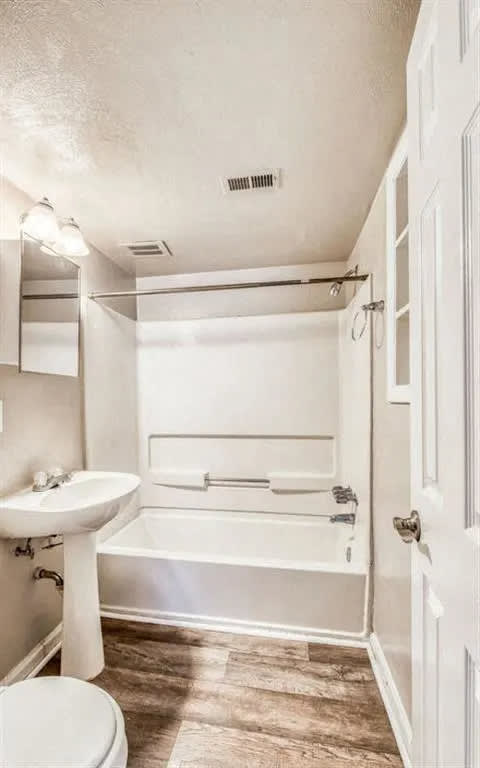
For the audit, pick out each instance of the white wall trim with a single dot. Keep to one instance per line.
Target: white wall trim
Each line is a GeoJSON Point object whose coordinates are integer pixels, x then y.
{"type": "Point", "coordinates": [239, 627]}
{"type": "Point", "coordinates": [397, 715]}
{"type": "Point", "coordinates": [36, 659]}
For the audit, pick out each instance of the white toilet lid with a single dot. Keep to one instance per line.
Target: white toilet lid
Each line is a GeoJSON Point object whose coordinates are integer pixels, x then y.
{"type": "Point", "coordinates": [54, 722]}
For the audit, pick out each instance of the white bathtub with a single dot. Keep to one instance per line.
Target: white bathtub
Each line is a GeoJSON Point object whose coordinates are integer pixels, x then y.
{"type": "Point", "coordinates": [252, 571]}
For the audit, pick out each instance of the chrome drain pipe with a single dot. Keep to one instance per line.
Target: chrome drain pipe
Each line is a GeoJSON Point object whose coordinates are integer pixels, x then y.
{"type": "Point", "coordinates": [43, 573]}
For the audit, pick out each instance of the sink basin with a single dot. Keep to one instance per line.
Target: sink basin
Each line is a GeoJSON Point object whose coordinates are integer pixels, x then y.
{"type": "Point", "coordinates": [77, 510]}
{"type": "Point", "coordinates": [81, 505]}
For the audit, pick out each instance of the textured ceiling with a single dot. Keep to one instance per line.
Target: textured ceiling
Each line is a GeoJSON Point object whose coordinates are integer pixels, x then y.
{"type": "Point", "coordinates": [127, 112]}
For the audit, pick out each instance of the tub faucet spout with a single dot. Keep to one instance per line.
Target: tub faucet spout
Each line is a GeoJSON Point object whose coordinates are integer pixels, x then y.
{"type": "Point", "coordinates": [344, 517]}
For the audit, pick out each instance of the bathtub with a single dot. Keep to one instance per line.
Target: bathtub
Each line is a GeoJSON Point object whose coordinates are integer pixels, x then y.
{"type": "Point", "coordinates": [254, 572]}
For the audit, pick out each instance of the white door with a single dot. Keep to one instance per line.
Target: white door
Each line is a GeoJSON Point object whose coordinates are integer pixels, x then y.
{"type": "Point", "coordinates": [444, 190]}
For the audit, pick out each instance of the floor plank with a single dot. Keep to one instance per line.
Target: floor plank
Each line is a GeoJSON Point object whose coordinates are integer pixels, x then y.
{"type": "Point", "coordinates": [205, 638]}
{"type": "Point", "coordinates": [279, 714]}
{"type": "Point", "coordinates": [200, 745]}
{"type": "Point", "coordinates": [203, 663]}
{"type": "Point", "coordinates": [338, 654]}
{"type": "Point", "coordinates": [219, 700]}
{"type": "Point", "coordinates": [150, 739]}
{"type": "Point", "coordinates": [303, 677]}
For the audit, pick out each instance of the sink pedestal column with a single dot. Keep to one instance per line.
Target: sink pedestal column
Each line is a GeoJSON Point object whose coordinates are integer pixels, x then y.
{"type": "Point", "coordinates": [82, 645]}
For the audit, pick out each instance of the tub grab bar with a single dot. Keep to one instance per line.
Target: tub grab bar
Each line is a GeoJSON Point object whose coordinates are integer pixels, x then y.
{"type": "Point", "coordinates": [237, 482]}
{"type": "Point", "coordinates": [276, 482]}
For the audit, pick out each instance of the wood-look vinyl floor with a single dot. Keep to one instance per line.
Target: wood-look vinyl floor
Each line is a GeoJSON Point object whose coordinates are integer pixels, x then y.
{"type": "Point", "coordinates": [206, 699]}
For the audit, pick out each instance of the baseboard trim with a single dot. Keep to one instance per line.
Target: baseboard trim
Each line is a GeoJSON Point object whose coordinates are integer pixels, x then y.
{"type": "Point", "coordinates": [236, 626]}
{"type": "Point", "coordinates": [36, 659]}
{"type": "Point", "coordinates": [397, 715]}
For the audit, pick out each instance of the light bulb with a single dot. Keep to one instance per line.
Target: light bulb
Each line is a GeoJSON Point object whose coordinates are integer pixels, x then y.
{"type": "Point", "coordinates": [70, 240]}
{"type": "Point", "coordinates": [40, 222]}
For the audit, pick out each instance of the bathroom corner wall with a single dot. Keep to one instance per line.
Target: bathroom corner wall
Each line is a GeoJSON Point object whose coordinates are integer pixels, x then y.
{"type": "Point", "coordinates": [55, 420]}
{"type": "Point", "coordinates": [391, 476]}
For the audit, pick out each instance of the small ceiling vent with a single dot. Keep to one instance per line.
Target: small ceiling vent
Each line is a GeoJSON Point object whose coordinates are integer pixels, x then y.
{"type": "Point", "coordinates": [148, 249]}
{"type": "Point", "coordinates": [269, 179]}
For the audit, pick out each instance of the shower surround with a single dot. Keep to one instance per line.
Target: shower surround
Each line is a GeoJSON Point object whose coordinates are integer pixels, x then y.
{"type": "Point", "coordinates": [278, 408]}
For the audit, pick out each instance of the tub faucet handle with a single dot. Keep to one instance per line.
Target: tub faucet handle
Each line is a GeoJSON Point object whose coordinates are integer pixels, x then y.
{"type": "Point", "coordinates": [344, 494]}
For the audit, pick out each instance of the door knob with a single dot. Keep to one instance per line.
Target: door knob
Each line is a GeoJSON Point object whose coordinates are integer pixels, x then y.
{"type": "Point", "coordinates": [408, 528]}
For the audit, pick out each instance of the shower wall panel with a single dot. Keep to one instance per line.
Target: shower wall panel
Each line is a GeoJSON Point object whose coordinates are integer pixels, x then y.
{"type": "Point", "coordinates": [355, 421]}
{"type": "Point", "coordinates": [239, 397]}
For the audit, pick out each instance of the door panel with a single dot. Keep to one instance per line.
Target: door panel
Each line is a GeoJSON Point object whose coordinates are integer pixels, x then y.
{"type": "Point", "coordinates": [427, 80]}
{"type": "Point", "coordinates": [472, 731]}
{"type": "Point", "coordinates": [471, 239]}
{"type": "Point", "coordinates": [469, 22]}
{"type": "Point", "coordinates": [432, 615]}
{"type": "Point", "coordinates": [430, 260]}
{"type": "Point", "coordinates": [444, 196]}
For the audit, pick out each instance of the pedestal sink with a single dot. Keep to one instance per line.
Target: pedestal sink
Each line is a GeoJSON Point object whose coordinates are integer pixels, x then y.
{"type": "Point", "coordinates": [77, 510]}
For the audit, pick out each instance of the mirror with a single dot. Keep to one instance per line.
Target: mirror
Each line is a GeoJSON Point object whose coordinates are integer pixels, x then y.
{"type": "Point", "coordinates": [49, 311]}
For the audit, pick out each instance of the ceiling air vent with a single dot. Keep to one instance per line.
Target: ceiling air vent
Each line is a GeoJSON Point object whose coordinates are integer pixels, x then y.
{"type": "Point", "coordinates": [146, 249]}
{"type": "Point", "coordinates": [253, 181]}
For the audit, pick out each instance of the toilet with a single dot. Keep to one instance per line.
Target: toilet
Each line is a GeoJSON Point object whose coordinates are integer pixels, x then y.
{"type": "Point", "coordinates": [58, 722]}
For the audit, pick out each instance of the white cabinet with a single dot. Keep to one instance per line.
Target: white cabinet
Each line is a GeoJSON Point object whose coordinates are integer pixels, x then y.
{"type": "Point", "coordinates": [398, 300]}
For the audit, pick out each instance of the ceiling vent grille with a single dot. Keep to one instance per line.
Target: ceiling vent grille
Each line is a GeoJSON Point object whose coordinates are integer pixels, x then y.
{"type": "Point", "coordinates": [148, 249]}
{"type": "Point", "coordinates": [269, 179]}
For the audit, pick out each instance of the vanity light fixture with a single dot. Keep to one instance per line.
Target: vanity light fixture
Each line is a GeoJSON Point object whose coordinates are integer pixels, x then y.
{"type": "Point", "coordinates": [70, 241]}
{"type": "Point", "coordinates": [60, 239]}
{"type": "Point", "coordinates": [40, 221]}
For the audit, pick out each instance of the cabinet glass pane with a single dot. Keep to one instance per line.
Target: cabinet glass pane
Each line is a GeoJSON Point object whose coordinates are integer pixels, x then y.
{"type": "Point", "coordinates": [401, 196]}
{"type": "Point", "coordinates": [403, 349]}
{"type": "Point", "coordinates": [401, 271]}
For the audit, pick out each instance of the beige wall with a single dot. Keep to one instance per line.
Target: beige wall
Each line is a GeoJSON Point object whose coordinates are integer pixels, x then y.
{"type": "Point", "coordinates": [44, 424]}
{"type": "Point", "coordinates": [391, 477]}
{"type": "Point", "coordinates": [110, 366]}
{"type": "Point", "coordinates": [42, 428]}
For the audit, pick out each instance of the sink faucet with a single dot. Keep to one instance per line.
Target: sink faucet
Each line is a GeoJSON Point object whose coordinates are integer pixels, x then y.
{"type": "Point", "coordinates": [44, 481]}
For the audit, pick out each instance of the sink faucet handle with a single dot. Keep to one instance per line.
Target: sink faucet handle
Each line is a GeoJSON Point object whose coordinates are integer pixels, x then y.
{"type": "Point", "coordinates": [40, 479]}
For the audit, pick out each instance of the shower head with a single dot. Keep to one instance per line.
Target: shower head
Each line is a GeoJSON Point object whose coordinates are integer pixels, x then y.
{"type": "Point", "coordinates": [336, 287]}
